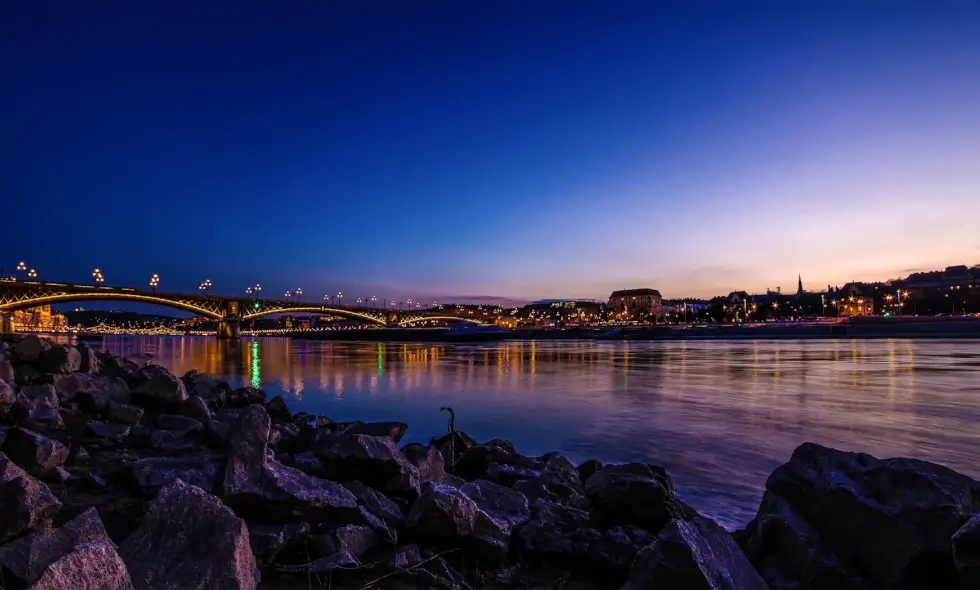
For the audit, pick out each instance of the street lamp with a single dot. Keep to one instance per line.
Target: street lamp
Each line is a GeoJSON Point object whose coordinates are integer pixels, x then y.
{"type": "Point", "coordinates": [258, 289]}
{"type": "Point", "coordinates": [299, 292]}
{"type": "Point", "coordinates": [248, 291]}
{"type": "Point", "coordinates": [340, 298]}
{"type": "Point", "coordinates": [288, 294]}
{"type": "Point", "coordinates": [21, 266]}
{"type": "Point", "coordinates": [358, 300]}
{"type": "Point", "coordinates": [32, 274]}
{"type": "Point", "coordinates": [154, 281]}
{"type": "Point", "coordinates": [97, 275]}
{"type": "Point", "coordinates": [205, 286]}
{"type": "Point", "coordinates": [374, 300]}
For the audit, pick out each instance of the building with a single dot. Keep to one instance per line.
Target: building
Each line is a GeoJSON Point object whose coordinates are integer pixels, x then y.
{"type": "Point", "coordinates": [854, 305]}
{"type": "Point", "coordinates": [636, 303]}
{"type": "Point", "coordinates": [38, 319]}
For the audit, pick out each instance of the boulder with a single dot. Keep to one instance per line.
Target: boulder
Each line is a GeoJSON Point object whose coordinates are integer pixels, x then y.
{"type": "Point", "coordinates": [556, 530]}
{"type": "Point", "coordinates": [149, 474]}
{"type": "Point", "coordinates": [26, 558]}
{"type": "Point", "coordinates": [61, 358]}
{"type": "Point", "coordinates": [94, 393]}
{"type": "Point", "coordinates": [171, 434]}
{"type": "Point", "coordinates": [966, 552]}
{"type": "Point", "coordinates": [373, 460]}
{"type": "Point", "coordinates": [196, 408]}
{"type": "Point", "coordinates": [31, 347]}
{"type": "Point", "coordinates": [444, 513]}
{"type": "Point", "coordinates": [393, 430]}
{"type": "Point", "coordinates": [119, 368]}
{"type": "Point", "coordinates": [38, 404]}
{"type": "Point", "coordinates": [125, 413]}
{"type": "Point", "coordinates": [25, 375]}
{"type": "Point", "coordinates": [355, 539]}
{"type": "Point", "coordinates": [212, 389]}
{"type": "Point", "coordinates": [504, 505]}
{"type": "Point", "coordinates": [109, 433]}
{"type": "Point", "coordinates": [268, 541]}
{"type": "Point", "coordinates": [307, 463]}
{"type": "Point", "coordinates": [634, 494]}
{"type": "Point", "coordinates": [377, 504]}
{"type": "Point", "coordinates": [35, 453]}
{"type": "Point", "coordinates": [498, 461]}
{"type": "Point", "coordinates": [6, 371]}
{"type": "Point", "coordinates": [7, 396]}
{"type": "Point", "coordinates": [587, 469]}
{"type": "Point", "coordinates": [428, 460]}
{"type": "Point", "coordinates": [693, 555]}
{"type": "Point", "coordinates": [27, 503]}
{"type": "Point", "coordinates": [615, 550]}
{"type": "Point", "coordinates": [406, 557]}
{"type": "Point", "coordinates": [89, 359]}
{"type": "Point", "coordinates": [324, 565]}
{"type": "Point", "coordinates": [452, 446]}
{"type": "Point", "coordinates": [95, 565]}
{"type": "Point", "coordinates": [160, 389]}
{"type": "Point", "coordinates": [189, 539]}
{"type": "Point", "coordinates": [557, 482]}
{"type": "Point", "coordinates": [890, 520]}
{"type": "Point", "coordinates": [245, 396]}
{"type": "Point", "coordinates": [256, 485]}
{"type": "Point", "coordinates": [278, 410]}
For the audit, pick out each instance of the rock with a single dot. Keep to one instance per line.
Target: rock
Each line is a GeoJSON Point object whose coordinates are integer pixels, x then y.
{"type": "Point", "coordinates": [7, 373]}
{"type": "Point", "coordinates": [696, 554]}
{"type": "Point", "coordinates": [890, 520]}
{"type": "Point", "coordinates": [557, 530]}
{"type": "Point", "coordinates": [189, 539]}
{"type": "Point", "coordinates": [94, 393]}
{"type": "Point", "coordinates": [966, 552]}
{"type": "Point", "coordinates": [7, 396]}
{"type": "Point", "coordinates": [27, 557]}
{"type": "Point", "coordinates": [149, 474]}
{"type": "Point", "coordinates": [373, 460]}
{"type": "Point", "coordinates": [615, 550]}
{"type": "Point", "coordinates": [268, 541]}
{"type": "Point", "coordinates": [587, 469]}
{"type": "Point", "coordinates": [212, 389]}
{"type": "Point", "coordinates": [336, 562]}
{"type": "Point", "coordinates": [278, 409]}
{"type": "Point", "coordinates": [352, 538]}
{"type": "Point", "coordinates": [38, 404]}
{"type": "Point", "coordinates": [196, 408]}
{"type": "Point", "coordinates": [444, 513]}
{"type": "Point", "coordinates": [31, 347]}
{"type": "Point", "coordinates": [245, 396]}
{"type": "Point", "coordinates": [27, 503]}
{"type": "Point", "coordinates": [89, 360]}
{"type": "Point", "coordinates": [111, 433]}
{"type": "Point", "coordinates": [452, 446]}
{"type": "Point", "coordinates": [25, 375]}
{"type": "Point", "coordinates": [506, 506]}
{"type": "Point", "coordinates": [497, 461]}
{"type": "Point", "coordinates": [428, 460]}
{"type": "Point", "coordinates": [172, 434]}
{"type": "Point", "coordinates": [406, 557]}
{"type": "Point", "coordinates": [118, 368]}
{"type": "Point", "coordinates": [309, 464]}
{"type": "Point", "coordinates": [557, 482]}
{"type": "Point", "coordinates": [377, 504]}
{"type": "Point", "coordinates": [61, 358]}
{"type": "Point", "coordinates": [256, 485]}
{"type": "Point", "coordinates": [125, 413]}
{"type": "Point", "coordinates": [161, 389]}
{"type": "Point", "coordinates": [634, 494]}
{"type": "Point", "coordinates": [35, 453]}
{"type": "Point", "coordinates": [96, 565]}
{"type": "Point", "coordinates": [393, 430]}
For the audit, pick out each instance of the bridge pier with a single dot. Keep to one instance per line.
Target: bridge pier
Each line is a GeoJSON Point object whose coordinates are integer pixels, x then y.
{"type": "Point", "coordinates": [229, 329]}
{"type": "Point", "coordinates": [6, 323]}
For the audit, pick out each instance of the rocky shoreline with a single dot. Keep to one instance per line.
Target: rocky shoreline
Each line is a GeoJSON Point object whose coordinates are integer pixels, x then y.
{"type": "Point", "coordinates": [117, 474]}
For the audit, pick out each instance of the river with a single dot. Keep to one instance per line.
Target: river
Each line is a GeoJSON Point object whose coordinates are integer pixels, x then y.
{"type": "Point", "coordinates": [719, 415]}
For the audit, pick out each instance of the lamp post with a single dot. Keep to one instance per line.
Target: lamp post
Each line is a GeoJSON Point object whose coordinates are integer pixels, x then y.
{"type": "Point", "coordinates": [299, 293]}
{"type": "Point", "coordinates": [288, 295]}
{"type": "Point", "coordinates": [374, 300]}
{"type": "Point", "coordinates": [205, 286]}
{"type": "Point", "coordinates": [32, 274]}
{"type": "Point", "coordinates": [97, 275]}
{"type": "Point", "coordinates": [154, 281]}
{"type": "Point", "coordinates": [22, 268]}
{"type": "Point", "coordinates": [340, 298]}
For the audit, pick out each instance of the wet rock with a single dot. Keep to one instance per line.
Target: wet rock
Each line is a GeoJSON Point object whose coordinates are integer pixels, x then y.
{"type": "Point", "coordinates": [256, 485]}
{"type": "Point", "coordinates": [690, 555]}
{"type": "Point", "coordinates": [615, 550]}
{"type": "Point", "coordinates": [149, 474]}
{"type": "Point", "coordinates": [268, 541]}
{"type": "Point", "coordinates": [35, 453]}
{"type": "Point", "coordinates": [196, 408]}
{"type": "Point", "coordinates": [353, 538]}
{"type": "Point", "coordinates": [278, 410]}
{"type": "Point", "coordinates": [428, 460]}
{"type": "Point", "coordinates": [557, 530]}
{"type": "Point", "coordinates": [212, 389]}
{"type": "Point", "coordinates": [27, 503]}
{"type": "Point", "coordinates": [171, 434]}
{"type": "Point", "coordinates": [189, 539]}
{"type": "Point", "coordinates": [373, 460]}
{"type": "Point", "coordinates": [245, 396]}
{"type": "Point", "coordinates": [96, 565]}
{"type": "Point", "coordinates": [160, 389]}
{"type": "Point", "coordinates": [506, 506]}
{"type": "Point", "coordinates": [557, 482]}
{"type": "Point", "coordinates": [406, 557]}
{"type": "Point", "coordinates": [443, 512]}
{"type": "Point", "coordinates": [393, 430]}
{"type": "Point", "coordinates": [588, 468]}
{"type": "Point", "coordinates": [377, 504]}
{"type": "Point", "coordinates": [308, 464]}
{"type": "Point", "coordinates": [634, 494]}
{"type": "Point", "coordinates": [25, 559]}
{"type": "Point", "coordinates": [7, 396]}
{"type": "Point", "coordinates": [125, 413]}
{"type": "Point", "coordinates": [93, 393]}
{"type": "Point", "coordinates": [497, 461]}
{"type": "Point", "coordinates": [966, 552]}
{"type": "Point", "coordinates": [7, 373]}
{"type": "Point", "coordinates": [336, 562]}
{"type": "Point", "coordinates": [119, 368]}
{"type": "Point", "coordinates": [110, 433]}
{"type": "Point", "coordinates": [61, 358]}
{"type": "Point", "coordinates": [38, 404]}
{"type": "Point", "coordinates": [25, 375]}
{"type": "Point", "coordinates": [891, 520]}
{"type": "Point", "coordinates": [452, 446]}
{"type": "Point", "coordinates": [31, 347]}
{"type": "Point", "coordinates": [89, 360]}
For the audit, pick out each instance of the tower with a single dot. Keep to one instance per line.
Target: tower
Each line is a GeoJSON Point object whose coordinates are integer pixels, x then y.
{"type": "Point", "coordinates": [799, 285]}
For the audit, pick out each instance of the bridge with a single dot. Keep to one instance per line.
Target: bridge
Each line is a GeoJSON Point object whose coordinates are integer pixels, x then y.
{"type": "Point", "coordinates": [226, 312]}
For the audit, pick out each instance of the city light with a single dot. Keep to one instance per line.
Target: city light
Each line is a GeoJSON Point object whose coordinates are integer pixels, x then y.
{"type": "Point", "coordinates": [299, 293]}
{"type": "Point", "coordinates": [97, 275]}
{"type": "Point", "coordinates": [154, 281]}
{"type": "Point", "coordinates": [203, 287]}
{"type": "Point", "coordinates": [32, 274]}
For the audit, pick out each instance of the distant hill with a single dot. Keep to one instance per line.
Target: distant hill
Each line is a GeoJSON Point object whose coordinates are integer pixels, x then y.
{"type": "Point", "coordinates": [93, 317]}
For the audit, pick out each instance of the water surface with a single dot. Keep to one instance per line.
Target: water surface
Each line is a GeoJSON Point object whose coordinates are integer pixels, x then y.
{"type": "Point", "coordinates": [719, 415]}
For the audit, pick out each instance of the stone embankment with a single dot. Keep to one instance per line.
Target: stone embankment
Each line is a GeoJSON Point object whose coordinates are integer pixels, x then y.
{"type": "Point", "coordinates": [117, 474]}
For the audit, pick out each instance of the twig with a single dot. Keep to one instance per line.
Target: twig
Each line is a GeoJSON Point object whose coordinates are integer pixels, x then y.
{"type": "Point", "coordinates": [407, 569]}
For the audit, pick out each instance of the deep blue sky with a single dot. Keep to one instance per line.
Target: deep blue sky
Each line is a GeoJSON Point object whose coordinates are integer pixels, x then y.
{"type": "Point", "coordinates": [522, 149]}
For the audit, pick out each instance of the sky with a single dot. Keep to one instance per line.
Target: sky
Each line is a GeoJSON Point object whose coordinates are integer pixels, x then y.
{"type": "Point", "coordinates": [489, 151]}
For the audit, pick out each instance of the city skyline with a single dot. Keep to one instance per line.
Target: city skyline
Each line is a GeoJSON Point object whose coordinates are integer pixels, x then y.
{"type": "Point", "coordinates": [502, 154]}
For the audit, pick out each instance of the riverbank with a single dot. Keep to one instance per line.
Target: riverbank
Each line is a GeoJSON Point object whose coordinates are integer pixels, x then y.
{"type": "Point", "coordinates": [307, 500]}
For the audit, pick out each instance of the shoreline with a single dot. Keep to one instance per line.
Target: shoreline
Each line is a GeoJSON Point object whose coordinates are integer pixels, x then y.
{"type": "Point", "coordinates": [95, 446]}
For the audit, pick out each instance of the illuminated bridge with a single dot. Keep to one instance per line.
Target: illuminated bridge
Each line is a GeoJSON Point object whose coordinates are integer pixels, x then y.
{"type": "Point", "coordinates": [226, 312]}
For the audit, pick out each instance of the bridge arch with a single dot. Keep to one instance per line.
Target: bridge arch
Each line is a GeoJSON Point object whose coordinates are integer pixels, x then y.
{"type": "Point", "coordinates": [344, 313]}
{"type": "Point", "coordinates": [439, 318]}
{"type": "Point", "coordinates": [52, 299]}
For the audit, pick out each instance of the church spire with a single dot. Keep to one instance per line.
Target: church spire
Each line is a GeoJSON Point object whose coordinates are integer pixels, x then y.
{"type": "Point", "coordinates": [799, 285]}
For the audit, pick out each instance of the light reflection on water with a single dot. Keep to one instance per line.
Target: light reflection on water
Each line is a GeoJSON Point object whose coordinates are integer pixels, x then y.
{"type": "Point", "coordinates": [719, 415]}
